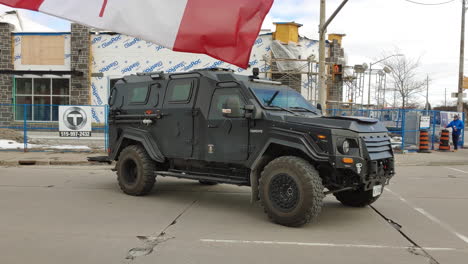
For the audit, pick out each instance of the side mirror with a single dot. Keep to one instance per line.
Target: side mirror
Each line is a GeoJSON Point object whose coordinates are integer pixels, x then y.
{"type": "Point", "coordinates": [252, 112]}
{"type": "Point", "coordinates": [249, 108]}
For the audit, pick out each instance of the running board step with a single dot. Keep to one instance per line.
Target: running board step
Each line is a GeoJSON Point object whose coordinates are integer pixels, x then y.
{"type": "Point", "coordinates": [203, 177]}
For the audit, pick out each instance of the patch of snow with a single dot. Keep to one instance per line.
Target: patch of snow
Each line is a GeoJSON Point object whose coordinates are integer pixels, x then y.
{"type": "Point", "coordinates": [65, 147]}
{"type": "Point", "coordinates": [10, 144]}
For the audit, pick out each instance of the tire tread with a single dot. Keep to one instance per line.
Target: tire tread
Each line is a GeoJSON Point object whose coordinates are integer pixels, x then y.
{"type": "Point", "coordinates": [149, 166]}
{"type": "Point", "coordinates": [313, 190]}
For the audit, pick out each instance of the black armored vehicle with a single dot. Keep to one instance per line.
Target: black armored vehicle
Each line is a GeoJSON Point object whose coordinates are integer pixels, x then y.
{"type": "Point", "coordinates": [215, 126]}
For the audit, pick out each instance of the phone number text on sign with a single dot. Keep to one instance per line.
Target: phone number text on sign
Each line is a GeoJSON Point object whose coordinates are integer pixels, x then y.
{"type": "Point", "coordinates": [75, 133]}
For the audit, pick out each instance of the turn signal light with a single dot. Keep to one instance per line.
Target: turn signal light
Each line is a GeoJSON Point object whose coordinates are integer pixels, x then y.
{"type": "Point", "coordinates": [321, 136]}
{"type": "Point", "coordinates": [347, 160]}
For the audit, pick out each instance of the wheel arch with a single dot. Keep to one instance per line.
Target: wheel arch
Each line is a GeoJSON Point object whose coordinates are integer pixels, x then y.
{"type": "Point", "coordinates": [137, 136]}
{"type": "Point", "coordinates": [273, 149]}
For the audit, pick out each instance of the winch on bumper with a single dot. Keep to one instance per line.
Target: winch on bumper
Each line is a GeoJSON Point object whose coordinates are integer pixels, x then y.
{"type": "Point", "coordinates": [365, 173]}
{"type": "Point", "coordinates": [372, 165]}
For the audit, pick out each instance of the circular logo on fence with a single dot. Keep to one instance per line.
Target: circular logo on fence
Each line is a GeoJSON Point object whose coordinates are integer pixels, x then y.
{"type": "Point", "coordinates": [75, 118]}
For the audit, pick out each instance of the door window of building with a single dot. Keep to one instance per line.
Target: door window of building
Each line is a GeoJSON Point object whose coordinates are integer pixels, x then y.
{"type": "Point", "coordinates": [42, 97]}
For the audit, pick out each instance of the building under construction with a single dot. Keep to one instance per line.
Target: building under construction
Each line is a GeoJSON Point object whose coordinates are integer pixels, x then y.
{"type": "Point", "coordinates": [81, 66]}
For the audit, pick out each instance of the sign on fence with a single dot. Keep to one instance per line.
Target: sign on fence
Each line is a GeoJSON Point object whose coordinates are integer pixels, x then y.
{"type": "Point", "coordinates": [75, 121]}
{"type": "Point", "coordinates": [425, 122]}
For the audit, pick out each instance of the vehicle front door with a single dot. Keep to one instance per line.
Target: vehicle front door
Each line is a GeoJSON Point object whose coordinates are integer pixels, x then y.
{"type": "Point", "coordinates": [227, 134]}
{"type": "Point", "coordinates": [176, 123]}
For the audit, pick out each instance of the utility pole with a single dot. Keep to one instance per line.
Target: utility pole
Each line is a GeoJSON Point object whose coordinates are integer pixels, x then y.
{"type": "Point", "coordinates": [384, 88]}
{"type": "Point", "coordinates": [462, 58]}
{"type": "Point", "coordinates": [427, 93]}
{"type": "Point", "coordinates": [370, 80]}
{"type": "Point", "coordinates": [322, 66]}
{"type": "Point", "coordinates": [445, 97]}
{"type": "Point", "coordinates": [322, 71]}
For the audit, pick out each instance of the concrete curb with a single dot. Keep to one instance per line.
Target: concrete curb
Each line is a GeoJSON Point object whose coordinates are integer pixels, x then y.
{"type": "Point", "coordinates": [50, 163]}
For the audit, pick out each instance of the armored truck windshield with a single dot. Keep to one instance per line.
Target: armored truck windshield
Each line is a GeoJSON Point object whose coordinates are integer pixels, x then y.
{"type": "Point", "coordinates": [282, 97]}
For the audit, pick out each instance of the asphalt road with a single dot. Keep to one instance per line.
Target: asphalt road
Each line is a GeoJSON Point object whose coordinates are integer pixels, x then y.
{"type": "Point", "coordinates": [79, 215]}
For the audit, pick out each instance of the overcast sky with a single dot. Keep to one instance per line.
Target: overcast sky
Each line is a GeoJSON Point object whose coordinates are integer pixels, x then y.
{"type": "Point", "coordinates": [431, 33]}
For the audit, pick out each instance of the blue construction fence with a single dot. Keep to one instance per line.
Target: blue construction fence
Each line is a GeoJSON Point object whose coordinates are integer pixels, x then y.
{"type": "Point", "coordinates": [404, 125]}
{"type": "Point", "coordinates": [35, 128]}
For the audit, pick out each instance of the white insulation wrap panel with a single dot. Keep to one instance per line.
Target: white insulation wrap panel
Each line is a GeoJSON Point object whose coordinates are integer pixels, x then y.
{"type": "Point", "coordinates": [117, 55]}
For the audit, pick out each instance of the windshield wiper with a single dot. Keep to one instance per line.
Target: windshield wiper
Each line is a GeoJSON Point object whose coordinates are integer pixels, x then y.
{"type": "Point", "coordinates": [284, 109]}
{"type": "Point", "coordinates": [272, 98]}
{"type": "Point", "coordinates": [303, 108]}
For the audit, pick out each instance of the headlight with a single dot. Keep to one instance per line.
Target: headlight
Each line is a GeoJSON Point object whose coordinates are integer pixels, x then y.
{"type": "Point", "coordinates": [344, 148]}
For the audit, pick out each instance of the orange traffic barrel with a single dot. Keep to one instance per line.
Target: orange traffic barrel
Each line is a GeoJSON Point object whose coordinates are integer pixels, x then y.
{"type": "Point", "coordinates": [424, 141]}
{"type": "Point", "coordinates": [444, 144]}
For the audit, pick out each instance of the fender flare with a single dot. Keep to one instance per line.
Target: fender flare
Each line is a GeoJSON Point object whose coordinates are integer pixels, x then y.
{"type": "Point", "coordinates": [263, 159]}
{"type": "Point", "coordinates": [144, 138]}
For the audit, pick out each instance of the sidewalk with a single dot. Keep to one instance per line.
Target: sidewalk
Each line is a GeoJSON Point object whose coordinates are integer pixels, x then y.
{"type": "Point", "coordinates": [435, 158]}
{"type": "Point", "coordinates": [12, 158]}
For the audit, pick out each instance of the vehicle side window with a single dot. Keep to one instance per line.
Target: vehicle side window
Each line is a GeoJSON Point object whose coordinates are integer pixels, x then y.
{"type": "Point", "coordinates": [138, 94]}
{"type": "Point", "coordinates": [228, 101]}
{"type": "Point", "coordinates": [180, 91]}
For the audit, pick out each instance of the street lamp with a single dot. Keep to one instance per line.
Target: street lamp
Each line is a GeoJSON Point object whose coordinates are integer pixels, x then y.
{"type": "Point", "coordinates": [370, 73]}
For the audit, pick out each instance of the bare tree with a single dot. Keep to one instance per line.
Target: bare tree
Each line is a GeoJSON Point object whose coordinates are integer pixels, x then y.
{"type": "Point", "coordinates": [404, 77]}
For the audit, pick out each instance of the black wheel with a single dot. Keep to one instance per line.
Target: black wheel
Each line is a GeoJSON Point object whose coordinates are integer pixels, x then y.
{"type": "Point", "coordinates": [291, 191]}
{"type": "Point", "coordinates": [207, 182]}
{"type": "Point", "coordinates": [135, 171]}
{"type": "Point", "coordinates": [356, 198]}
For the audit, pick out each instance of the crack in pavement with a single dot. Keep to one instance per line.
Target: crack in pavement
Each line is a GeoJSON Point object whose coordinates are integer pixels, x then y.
{"type": "Point", "coordinates": [150, 242]}
{"type": "Point", "coordinates": [415, 249]}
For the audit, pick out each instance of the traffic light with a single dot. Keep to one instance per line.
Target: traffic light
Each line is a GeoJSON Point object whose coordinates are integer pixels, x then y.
{"type": "Point", "coordinates": [337, 72]}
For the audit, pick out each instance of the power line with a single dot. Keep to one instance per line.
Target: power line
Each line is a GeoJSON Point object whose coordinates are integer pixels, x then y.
{"type": "Point", "coordinates": [429, 4]}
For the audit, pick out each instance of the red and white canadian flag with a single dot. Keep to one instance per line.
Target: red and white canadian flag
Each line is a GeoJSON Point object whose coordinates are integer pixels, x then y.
{"type": "Point", "coordinates": [223, 29]}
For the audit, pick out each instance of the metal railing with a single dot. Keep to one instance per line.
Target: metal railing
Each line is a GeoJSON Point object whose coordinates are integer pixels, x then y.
{"type": "Point", "coordinates": [404, 124]}
{"type": "Point", "coordinates": [38, 126]}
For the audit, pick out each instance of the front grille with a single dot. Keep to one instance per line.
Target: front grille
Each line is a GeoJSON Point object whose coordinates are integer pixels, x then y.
{"type": "Point", "coordinates": [378, 146]}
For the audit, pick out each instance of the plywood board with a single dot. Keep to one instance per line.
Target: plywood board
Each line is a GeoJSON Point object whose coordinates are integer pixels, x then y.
{"type": "Point", "coordinates": [43, 50]}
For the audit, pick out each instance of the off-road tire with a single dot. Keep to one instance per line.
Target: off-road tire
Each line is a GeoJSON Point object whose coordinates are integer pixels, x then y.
{"type": "Point", "coordinates": [135, 171]}
{"type": "Point", "coordinates": [291, 171]}
{"type": "Point", "coordinates": [356, 198]}
{"type": "Point", "coordinates": [203, 182]}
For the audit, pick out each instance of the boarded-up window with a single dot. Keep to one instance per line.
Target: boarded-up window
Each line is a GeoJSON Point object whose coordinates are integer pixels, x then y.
{"type": "Point", "coordinates": [43, 50]}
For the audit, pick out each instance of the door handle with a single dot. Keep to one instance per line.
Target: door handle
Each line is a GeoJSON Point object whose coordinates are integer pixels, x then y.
{"type": "Point", "coordinates": [212, 126]}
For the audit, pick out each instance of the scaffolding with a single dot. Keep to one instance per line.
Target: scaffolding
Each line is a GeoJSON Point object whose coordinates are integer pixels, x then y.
{"type": "Point", "coordinates": [300, 74]}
